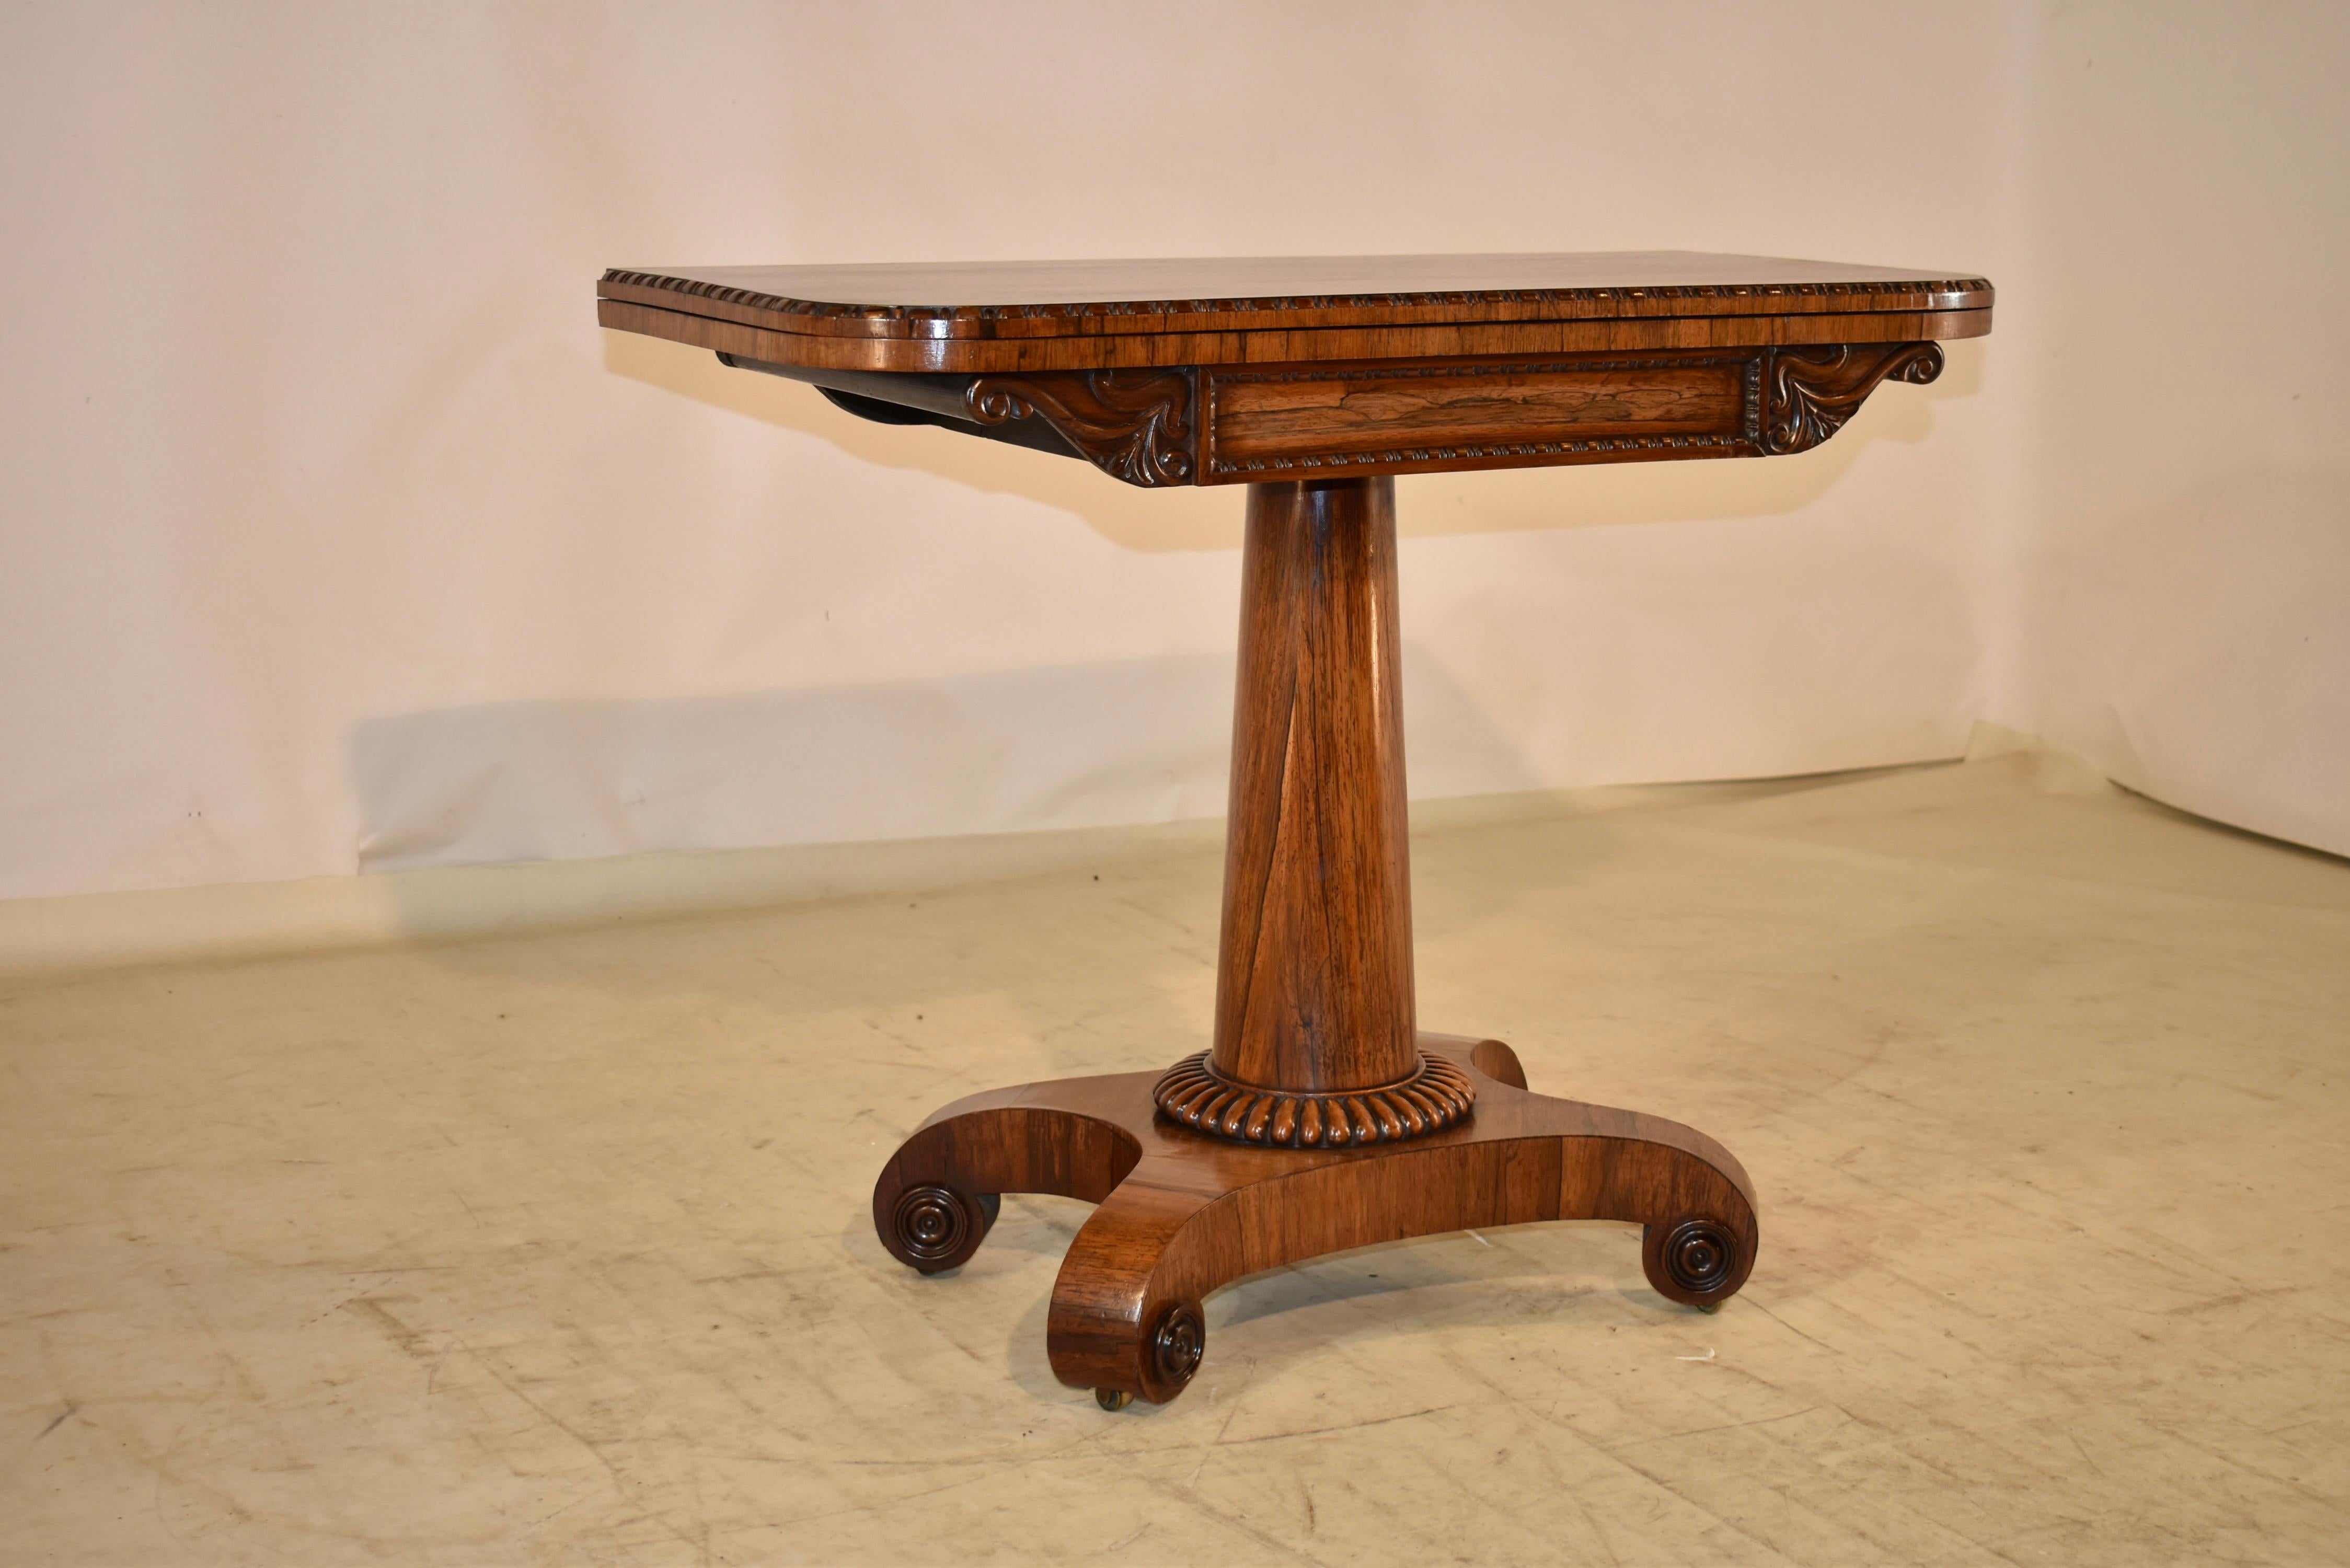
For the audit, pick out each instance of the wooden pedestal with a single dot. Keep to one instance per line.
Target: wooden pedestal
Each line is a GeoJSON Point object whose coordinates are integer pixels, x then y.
{"type": "Point", "coordinates": [1322, 1118]}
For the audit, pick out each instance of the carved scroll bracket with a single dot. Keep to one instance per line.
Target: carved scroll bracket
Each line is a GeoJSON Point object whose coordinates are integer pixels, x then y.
{"type": "Point", "coordinates": [1811, 392]}
{"type": "Point", "coordinates": [1135, 425]}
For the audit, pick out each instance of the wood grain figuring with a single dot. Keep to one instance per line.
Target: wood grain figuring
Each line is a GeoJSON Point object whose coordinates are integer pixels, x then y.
{"type": "Point", "coordinates": [1314, 986]}
{"type": "Point", "coordinates": [1270, 413]}
{"type": "Point", "coordinates": [1182, 1215]}
{"type": "Point", "coordinates": [1424, 416]}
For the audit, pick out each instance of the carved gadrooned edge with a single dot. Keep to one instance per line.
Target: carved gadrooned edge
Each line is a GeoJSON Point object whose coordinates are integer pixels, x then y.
{"type": "Point", "coordinates": [753, 299]}
{"type": "Point", "coordinates": [1811, 392]}
{"type": "Point", "coordinates": [1437, 1095]}
{"type": "Point", "coordinates": [1134, 425]}
{"type": "Point", "coordinates": [1748, 436]}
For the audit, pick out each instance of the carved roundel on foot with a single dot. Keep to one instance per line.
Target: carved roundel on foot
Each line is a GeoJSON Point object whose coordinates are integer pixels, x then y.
{"type": "Point", "coordinates": [936, 1227]}
{"type": "Point", "coordinates": [1178, 1343]}
{"type": "Point", "coordinates": [1436, 1096]}
{"type": "Point", "coordinates": [1701, 1255]}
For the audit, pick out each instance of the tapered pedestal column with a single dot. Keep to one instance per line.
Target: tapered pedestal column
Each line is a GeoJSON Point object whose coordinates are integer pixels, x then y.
{"type": "Point", "coordinates": [1314, 1043]}
{"type": "Point", "coordinates": [1321, 1117]}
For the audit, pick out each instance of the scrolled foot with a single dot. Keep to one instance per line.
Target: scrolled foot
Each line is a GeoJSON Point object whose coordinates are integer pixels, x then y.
{"type": "Point", "coordinates": [1697, 1261]}
{"type": "Point", "coordinates": [1166, 1353]}
{"type": "Point", "coordinates": [935, 1200]}
{"type": "Point", "coordinates": [1177, 1343]}
{"type": "Point", "coordinates": [934, 1227]}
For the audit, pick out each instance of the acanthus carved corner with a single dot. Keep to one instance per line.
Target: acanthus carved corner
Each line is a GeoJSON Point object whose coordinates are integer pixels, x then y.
{"type": "Point", "coordinates": [1135, 425]}
{"type": "Point", "coordinates": [1811, 392]}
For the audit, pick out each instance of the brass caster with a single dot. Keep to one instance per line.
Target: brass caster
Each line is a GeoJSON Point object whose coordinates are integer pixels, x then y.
{"type": "Point", "coordinates": [1112, 1398]}
{"type": "Point", "coordinates": [1709, 1308]}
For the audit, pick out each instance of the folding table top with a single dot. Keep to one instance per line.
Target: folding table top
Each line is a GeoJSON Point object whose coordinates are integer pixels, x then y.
{"type": "Point", "coordinates": [1231, 371]}
{"type": "Point", "coordinates": [1083, 315]}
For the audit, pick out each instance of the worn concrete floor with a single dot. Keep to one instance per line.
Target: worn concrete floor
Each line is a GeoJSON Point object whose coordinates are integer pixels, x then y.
{"type": "Point", "coordinates": [555, 1250]}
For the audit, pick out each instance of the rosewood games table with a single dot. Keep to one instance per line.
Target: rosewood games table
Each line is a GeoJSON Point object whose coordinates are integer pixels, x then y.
{"type": "Point", "coordinates": [1322, 1116]}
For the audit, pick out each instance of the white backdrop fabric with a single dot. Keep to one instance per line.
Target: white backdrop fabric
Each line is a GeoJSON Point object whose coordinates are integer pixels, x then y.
{"type": "Point", "coordinates": [336, 536]}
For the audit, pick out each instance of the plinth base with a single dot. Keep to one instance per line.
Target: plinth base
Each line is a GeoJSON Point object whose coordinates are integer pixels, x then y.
{"type": "Point", "coordinates": [1182, 1213]}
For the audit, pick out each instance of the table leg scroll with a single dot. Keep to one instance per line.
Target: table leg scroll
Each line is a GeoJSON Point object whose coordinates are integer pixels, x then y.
{"type": "Point", "coordinates": [936, 1198]}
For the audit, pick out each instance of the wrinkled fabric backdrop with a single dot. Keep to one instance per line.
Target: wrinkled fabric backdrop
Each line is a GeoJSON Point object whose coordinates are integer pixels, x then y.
{"type": "Point", "coordinates": [337, 536]}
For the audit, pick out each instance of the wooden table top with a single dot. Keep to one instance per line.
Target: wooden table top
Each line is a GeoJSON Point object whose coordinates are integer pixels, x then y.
{"type": "Point", "coordinates": [1084, 315]}
{"type": "Point", "coordinates": [1231, 371]}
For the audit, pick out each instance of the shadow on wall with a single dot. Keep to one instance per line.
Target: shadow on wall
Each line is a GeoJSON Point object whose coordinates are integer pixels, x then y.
{"type": "Point", "coordinates": [2196, 651]}
{"type": "Point", "coordinates": [1209, 518]}
{"type": "Point", "coordinates": [1077, 746]}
